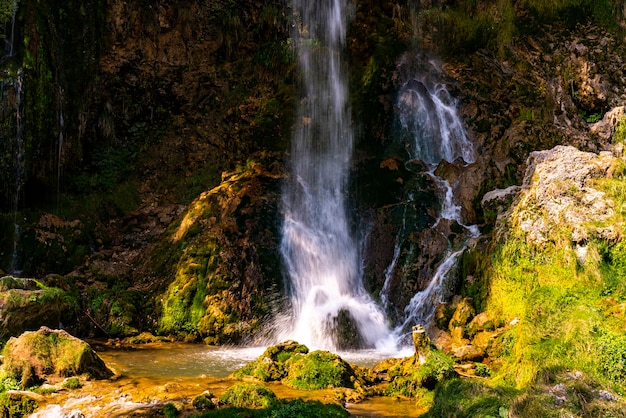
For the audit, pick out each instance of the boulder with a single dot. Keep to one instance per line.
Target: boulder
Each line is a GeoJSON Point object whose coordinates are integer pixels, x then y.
{"type": "Point", "coordinates": [50, 355]}
{"type": "Point", "coordinates": [558, 190]}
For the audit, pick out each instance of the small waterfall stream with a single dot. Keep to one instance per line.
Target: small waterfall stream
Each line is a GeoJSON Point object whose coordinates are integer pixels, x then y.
{"type": "Point", "coordinates": [426, 113]}
{"type": "Point", "coordinates": [329, 305]}
{"type": "Point", "coordinates": [12, 95]}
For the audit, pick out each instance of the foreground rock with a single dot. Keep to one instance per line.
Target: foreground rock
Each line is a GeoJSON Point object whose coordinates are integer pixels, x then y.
{"type": "Point", "coordinates": [49, 356]}
{"type": "Point", "coordinates": [292, 364]}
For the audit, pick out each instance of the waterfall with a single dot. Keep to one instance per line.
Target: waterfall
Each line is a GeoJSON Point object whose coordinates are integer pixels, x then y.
{"type": "Point", "coordinates": [19, 170]}
{"type": "Point", "coordinates": [13, 83]}
{"type": "Point", "coordinates": [427, 115]}
{"type": "Point", "coordinates": [329, 307]}
{"type": "Point", "coordinates": [60, 144]}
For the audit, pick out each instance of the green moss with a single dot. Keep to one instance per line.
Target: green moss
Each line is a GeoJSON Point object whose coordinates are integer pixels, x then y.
{"type": "Point", "coordinates": [248, 395]}
{"type": "Point", "coordinates": [116, 309]}
{"type": "Point", "coordinates": [457, 398]}
{"type": "Point", "coordinates": [296, 408]}
{"type": "Point", "coordinates": [612, 356]}
{"type": "Point", "coordinates": [619, 136]}
{"type": "Point", "coordinates": [271, 365]}
{"type": "Point", "coordinates": [408, 377]}
{"type": "Point", "coordinates": [16, 408]}
{"type": "Point", "coordinates": [170, 410]}
{"type": "Point", "coordinates": [72, 383]}
{"type": "Point", "coordinates": [318, 370]}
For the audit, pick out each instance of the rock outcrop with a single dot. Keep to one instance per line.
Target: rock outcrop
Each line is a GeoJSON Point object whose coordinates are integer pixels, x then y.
{"type": "Point", "coordinates": [558, 189]}
{"type": "Point", "coordinates": [50, 355]}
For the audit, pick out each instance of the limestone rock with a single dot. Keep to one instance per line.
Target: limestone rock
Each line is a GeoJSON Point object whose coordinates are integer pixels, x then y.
{"type": "Point", "coordinates": [468, 352]}
{"type": "Point", "coordinates": [499, 200]}
{"type": "Point", "coordinates": [558, 190]}
{"type": "Point", "coordinates": [51, 355]}
{"type": "Point", "coordinates": [604, 128]}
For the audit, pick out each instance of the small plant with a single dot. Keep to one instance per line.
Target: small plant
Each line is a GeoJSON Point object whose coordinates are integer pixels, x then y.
{"type": "Point", "coordinates": [619, 136]}
{"type": "Point", "coordinates": [170, 410]}
{"type": "Point", "coordinates": [612, 358]}
{"type": "Point", "coordinates": [482, 370]}
{"type": "Point", "coordinates": [72, 383]}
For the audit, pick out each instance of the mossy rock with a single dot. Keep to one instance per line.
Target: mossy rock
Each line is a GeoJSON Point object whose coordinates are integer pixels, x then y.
{"type": "Point", "coordinates": [407, 376]}
{"type": "Point", "coordinates": [26, 305]}
{"type": "Point", "coordinates": [203, 402]}
{"type": "Point", "coordinates": [270, 366]}
{"type": "Point", "coordinates": [248, 395]}
{"type": "Point", "coordinates": [319, 370]}
{"type": "Point", "coordinates": [50, 354]}
{"type": "Point", "coordinates": [16, 406]}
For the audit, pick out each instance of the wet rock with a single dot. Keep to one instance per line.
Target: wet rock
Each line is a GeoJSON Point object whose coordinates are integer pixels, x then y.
{"type": "Point", "coordinates": [51, 355]}
{"type": "Point", "coordinates": [443, 314]}
{"type": "Point", "coordinates": [484, 340]}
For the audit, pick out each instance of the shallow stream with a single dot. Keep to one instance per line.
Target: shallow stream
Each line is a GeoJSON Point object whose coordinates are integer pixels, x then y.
{"type": "Point", "coordinates": [152, 374]}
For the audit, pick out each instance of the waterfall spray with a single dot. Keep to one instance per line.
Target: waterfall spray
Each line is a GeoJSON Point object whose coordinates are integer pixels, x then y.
{"type": "Point", "coordinates": [329, 307]}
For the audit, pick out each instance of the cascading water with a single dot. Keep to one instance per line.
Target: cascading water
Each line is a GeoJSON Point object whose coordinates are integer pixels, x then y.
{"type": "Point", "coordinates": [19, 171]}
{"type": "Point", "coordinates": [329, 305]}
{"type": "Point", "coordinates": [11, 92]}
{"type": "Point", "coordinates": [427, 114]}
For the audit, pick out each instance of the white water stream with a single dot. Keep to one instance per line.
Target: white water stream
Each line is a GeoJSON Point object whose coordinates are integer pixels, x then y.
{"type": "Point", "coordinates": [321, 255]}
{"type": "Point", "coordinates": [427, 113]}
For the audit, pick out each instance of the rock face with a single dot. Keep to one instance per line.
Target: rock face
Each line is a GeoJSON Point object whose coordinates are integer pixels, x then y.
{"type": "Point", "coordinates": [51, 355]}
{"type": "Point", "coordinates": [558, 188]}
{"type": "Point", "coordinates": [26, 305]}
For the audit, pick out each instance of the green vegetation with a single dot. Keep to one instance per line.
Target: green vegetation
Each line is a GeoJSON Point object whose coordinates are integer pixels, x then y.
{"type": "Point", "coordinates": [566, 309]}
{"type": "Point", "coordinates": [469, 25]}
{"type": "Point", "coordinates": [296, 408]}
{"type": "Point", "coordinates": [619, 136]}
{"type": "Point", "coordinates": [16, 408]}
{"type": "Point", "coordinates": [72, 383]}
{"type": "Point", "coordinates": [272, 364]}
{"type": "Point", "coordinates": [456, 398]}
{"type": "Point", "coordinates": [318, 370]}
{"type": "Point", "coordinates": [115, 309]}
{"type": "Point", "coordinates": [409, 378]}
{"type": "Point", "coordinates": [170, 411]}
{"type": "Point", "coordinates": [248, 395]}
{"type": "Point", "coordinates": [292, 364]}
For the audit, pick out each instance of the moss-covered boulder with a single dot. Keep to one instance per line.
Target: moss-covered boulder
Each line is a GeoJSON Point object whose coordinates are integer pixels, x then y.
{"type": "Point", "coordinates": [292, 364]}
{"type": "Point", "coordinates": [271, 365]}
{"type": "Point", "coordinates": [407, 376]}
{"type": "Point", "coordinates": [248, 395]}
{"type": "Point", "coordinates": [52, 355]}
{"type": "Point", "coordinates": [319, 370]}
{"type": "Point", "coordinates": [27, 304]}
